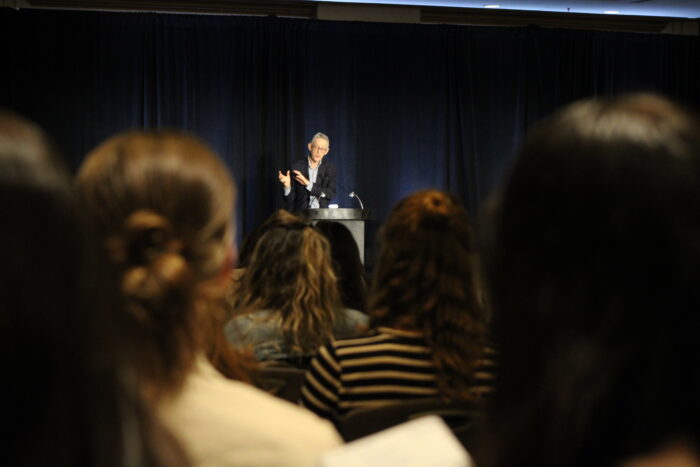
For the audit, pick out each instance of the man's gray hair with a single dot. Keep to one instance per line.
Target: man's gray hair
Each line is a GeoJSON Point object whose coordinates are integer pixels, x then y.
{"type": "Point", "coordinates": [322, 136]}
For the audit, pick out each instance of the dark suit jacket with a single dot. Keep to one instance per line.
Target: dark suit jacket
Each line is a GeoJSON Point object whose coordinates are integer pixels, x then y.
{"type": "Point", "coordinates": [298, 198]}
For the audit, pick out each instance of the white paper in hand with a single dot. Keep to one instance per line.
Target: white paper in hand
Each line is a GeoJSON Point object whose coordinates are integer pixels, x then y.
{"type": "Point", "coordinates": [423, 442]}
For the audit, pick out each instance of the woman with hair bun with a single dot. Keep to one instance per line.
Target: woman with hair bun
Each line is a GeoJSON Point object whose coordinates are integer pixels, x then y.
{"type": "Point", "coordinates": [162, 203]}
{"type": "Point", "coordinates": [69, 392]}
{"type": "Point", "coordinates": [429, 336]}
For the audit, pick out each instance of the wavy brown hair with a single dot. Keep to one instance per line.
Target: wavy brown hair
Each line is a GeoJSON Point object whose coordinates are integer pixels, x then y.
{"type": "Point", "coordinates": [426, 281]}
{"type": "Point", "coordinates": [162, 203]}
{"type": "Point", "coordinates": [291, 274]}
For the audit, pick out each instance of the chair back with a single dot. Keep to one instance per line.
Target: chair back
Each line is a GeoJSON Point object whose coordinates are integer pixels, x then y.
{"type": "Point", "coordinates": [459, 416]}
{"type": "Point", "coordinates": [281, 381]}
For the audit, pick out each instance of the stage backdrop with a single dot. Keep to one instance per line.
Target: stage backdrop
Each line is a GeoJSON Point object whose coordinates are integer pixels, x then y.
{"type": "Point", "coordinates": [406, 106]}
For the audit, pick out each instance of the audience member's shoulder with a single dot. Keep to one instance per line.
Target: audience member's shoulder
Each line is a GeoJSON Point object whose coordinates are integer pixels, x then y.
{"type": "Point", "coordinates": [350, 323]}
{"type": "Point", "coordinates": [222, 420]}
{"type": "Point", "coordinates": [369, 338]}
{"type": "Point", "coordinates": [255, 400]}
{"type": "Point", "coordinates": [252, 328]}
{"type": "Point", "coordinates": [356, 316]}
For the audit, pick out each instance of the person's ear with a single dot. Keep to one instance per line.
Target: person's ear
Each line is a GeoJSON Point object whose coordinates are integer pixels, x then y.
{"type": "Point", "coordinates": [217, 286]}
{"type": "Point", "coordinates": [231, 258]}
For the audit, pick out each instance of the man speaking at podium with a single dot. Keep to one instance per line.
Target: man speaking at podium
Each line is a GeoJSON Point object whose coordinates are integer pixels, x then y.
{"type": "Point", "coordinates": [311, 183]}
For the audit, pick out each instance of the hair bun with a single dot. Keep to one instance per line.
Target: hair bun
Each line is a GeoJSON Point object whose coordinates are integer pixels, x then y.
{"type": "Point", "coordinates": [147, 235]}
{"type": "Point", "coordinates": [154, 267]}
{"type": "Point", "coordinates": [154, 282]}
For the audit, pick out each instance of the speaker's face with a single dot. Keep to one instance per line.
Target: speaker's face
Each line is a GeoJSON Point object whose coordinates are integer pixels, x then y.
{"type": "Point", "coordinates": [317, 149]}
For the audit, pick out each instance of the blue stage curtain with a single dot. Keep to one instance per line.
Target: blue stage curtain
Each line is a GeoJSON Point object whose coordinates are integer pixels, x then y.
{"type": "Point", "coordinates": [406, 106]}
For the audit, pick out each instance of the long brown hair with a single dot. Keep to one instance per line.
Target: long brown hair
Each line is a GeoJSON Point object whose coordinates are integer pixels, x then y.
{"type": "Point", "coordinates": [291, 274]}
{"type": "Point", "coordinates": [426, 281]}
{"type": "Point", "coordinates": [66, 373]}
{"type": "Point", "coordinates": [162, 203]}
{"type": "Point", "coordinates": [594, 277]}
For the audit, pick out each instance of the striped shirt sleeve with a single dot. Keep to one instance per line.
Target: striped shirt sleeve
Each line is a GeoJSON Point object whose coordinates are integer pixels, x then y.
{"type": "Point", "coordinates": [320, 391]}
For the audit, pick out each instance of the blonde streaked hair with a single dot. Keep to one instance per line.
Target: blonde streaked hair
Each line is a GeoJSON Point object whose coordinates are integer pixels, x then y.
{"type": "Point", "coordinates": [291, 274]}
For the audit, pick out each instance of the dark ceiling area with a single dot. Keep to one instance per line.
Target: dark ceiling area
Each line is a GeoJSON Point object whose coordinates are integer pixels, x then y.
{"type": "Point", "coordinates": [452, 13]}
{"type": "Point", "coordinates": [663, 8]}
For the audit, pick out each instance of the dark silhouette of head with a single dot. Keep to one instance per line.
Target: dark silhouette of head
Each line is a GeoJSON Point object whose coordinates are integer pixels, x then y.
{"type": "Point", "coordinates": [64, 380]}
{"type": "Point", "coordinates": [594, 281]}
{"type": "Point", "coordinates": [352, 282]}
{"type": "Point", "coordinates": [425, 280]}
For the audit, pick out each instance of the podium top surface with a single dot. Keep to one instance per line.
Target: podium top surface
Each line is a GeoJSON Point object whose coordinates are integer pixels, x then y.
{"type": "Point", "coordinates": [338, 214]}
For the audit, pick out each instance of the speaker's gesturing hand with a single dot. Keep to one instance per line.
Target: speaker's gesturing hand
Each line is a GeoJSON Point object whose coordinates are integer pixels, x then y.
{"type": "Point", "coordinates": [285, 180]}
{"type": "Point", "coordinates": [299, 177]}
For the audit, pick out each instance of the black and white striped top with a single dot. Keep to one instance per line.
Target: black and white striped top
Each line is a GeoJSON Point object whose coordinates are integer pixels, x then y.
{"type": "Point", "coordinates": [389, 366]}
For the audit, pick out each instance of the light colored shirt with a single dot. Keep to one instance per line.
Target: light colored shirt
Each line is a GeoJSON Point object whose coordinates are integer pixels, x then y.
{"type": "Point", "coordinates": [313, 174]}
{"type": "Point", "coordinates": [223, 423]}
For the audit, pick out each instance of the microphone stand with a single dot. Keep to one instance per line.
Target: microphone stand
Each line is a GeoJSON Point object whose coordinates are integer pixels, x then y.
{"type": "Point", "coordinates": [353, 195]}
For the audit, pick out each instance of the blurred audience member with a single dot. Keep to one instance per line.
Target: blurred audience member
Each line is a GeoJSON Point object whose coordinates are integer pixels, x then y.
{"type": "Point", "coordinates": [352, 281]}
{"type": "Point", "coordinates": [594, 279]}
{"type": "Point", "coordinates": [430, 331]}
{"type": "Point", "coordinates": [66, 387]}
{"type": "Point", "coordinates": [288, 302]}
{"type": "Point", "coordinates": [162, 203]}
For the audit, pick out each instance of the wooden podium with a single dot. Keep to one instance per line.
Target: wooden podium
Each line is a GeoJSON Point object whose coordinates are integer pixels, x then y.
{"type": "Point", "coordinates": [353, 219]}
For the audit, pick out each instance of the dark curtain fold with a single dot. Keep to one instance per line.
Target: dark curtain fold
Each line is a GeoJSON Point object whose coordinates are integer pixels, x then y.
{"type": "Point", "coordinates": [406, 106]}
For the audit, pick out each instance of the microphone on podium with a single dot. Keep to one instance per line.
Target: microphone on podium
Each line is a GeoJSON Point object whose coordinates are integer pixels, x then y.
{"type": "Point", "coordinates": [353, 195]}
